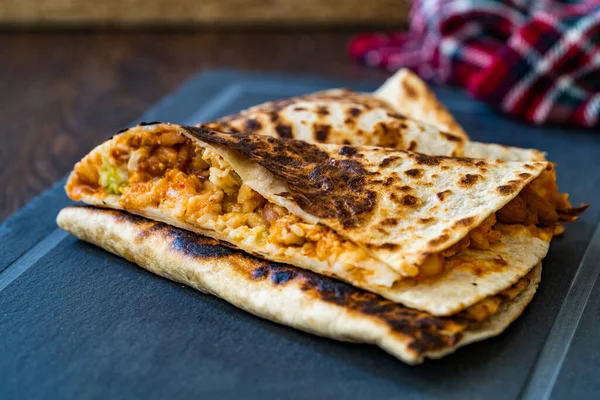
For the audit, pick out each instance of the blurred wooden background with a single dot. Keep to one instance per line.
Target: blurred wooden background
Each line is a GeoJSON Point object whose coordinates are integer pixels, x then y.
{"type": "Point", "coordinates": [71, 88]}
{"type": "Point", "coordinates": [210, 13]}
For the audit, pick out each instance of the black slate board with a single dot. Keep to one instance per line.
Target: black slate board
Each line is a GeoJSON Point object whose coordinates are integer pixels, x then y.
{"type": "Point", "coordinates": [77, 322]}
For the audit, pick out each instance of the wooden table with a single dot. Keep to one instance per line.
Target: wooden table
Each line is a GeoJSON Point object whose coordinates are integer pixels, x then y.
{"type": "Point", "coordinates": [63, 93]}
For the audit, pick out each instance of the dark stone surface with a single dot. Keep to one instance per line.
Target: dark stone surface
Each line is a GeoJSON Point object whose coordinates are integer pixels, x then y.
{"type": "Point", "coordinates": [81, 323]}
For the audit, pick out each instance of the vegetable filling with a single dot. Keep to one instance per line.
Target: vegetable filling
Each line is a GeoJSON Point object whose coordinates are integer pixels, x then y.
{"type": "Point", "coordinates": [163, 169]}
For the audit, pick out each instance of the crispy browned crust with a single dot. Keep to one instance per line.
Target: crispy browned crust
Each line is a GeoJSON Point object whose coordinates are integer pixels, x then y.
{"type": "Point", "coordinates": [320, 128]}
{"type": "Point", "coordinates": [404, 114]}
{"type": "Point", "coordinates": [389, 129]}
{"type": "Point", "coordinates": [345, 189]}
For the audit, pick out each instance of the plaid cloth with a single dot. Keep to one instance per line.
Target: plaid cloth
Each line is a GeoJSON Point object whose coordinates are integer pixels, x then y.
{"type": "Point", "coordinates": [535, 60]}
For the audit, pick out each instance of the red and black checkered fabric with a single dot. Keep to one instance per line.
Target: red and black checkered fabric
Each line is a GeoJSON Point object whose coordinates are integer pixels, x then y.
{"type": "Point", "coordinates": [535, 60]}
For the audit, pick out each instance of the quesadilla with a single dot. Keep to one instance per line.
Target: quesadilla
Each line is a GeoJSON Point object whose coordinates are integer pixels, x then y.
{"type": "Point", "coordinates": [292, 296]}
{"type": "Point", "coordinates": [410, 96]}
{"type": "Point", "coordinates": [340, 116]}
{"type": "Point", "coordinates": [434, 233]}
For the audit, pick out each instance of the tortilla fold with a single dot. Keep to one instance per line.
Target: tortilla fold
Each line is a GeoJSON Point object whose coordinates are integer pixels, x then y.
{"type": "Point", "coordinates": [411, 96]}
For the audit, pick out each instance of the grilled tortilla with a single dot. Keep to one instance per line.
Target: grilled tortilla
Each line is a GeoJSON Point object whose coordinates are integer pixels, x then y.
{"type": "Point", "coordinates": [417, 229]}
{"type": "Point", "coordinates": [292, 296]}
{"type": "Point", "coordinates": [341, 116]}
{"type": "Point", "coordinates": [410, 96]}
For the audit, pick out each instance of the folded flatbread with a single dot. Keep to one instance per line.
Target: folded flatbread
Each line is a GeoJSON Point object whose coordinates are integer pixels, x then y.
{"type": "Point", "coordinates": [340, 116]}
{"type": "Point", "coordinates": [410, 96]}
{"type": "Point", "coordinates": [292, 296]}
{"type": "Point", "coordinates": [434, 233]}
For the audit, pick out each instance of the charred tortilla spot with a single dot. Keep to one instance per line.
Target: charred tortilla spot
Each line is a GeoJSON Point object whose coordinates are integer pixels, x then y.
{"type": "Point", "coordinates": [122, 216]}
{"type": "Point", "coordinates": [412, 145]}
{"type": "Point", "coordinates": [410, 200]}
{"type": "Point", "coordinates": [279, 274]}
{"type": "Point", "coordinates": [282, 277]}
{"type": "Point", "coordinates": [346, 142]}
{"type": "Point", "coordinates": [145, 233]}
{"type": "Point", "coordinates": [506, 190]}
{"type": "Point", "coordinates": [426, 220]}
{"type": "Point", "coordinates": [389, 221]}
{"type": "Point", "coordinates": [410, 91]}
{"type": "Point", "coordinates": [469, 161]}
{"type": "Point", "coordinates": [405, 188]}
{"type": "Point", "coordinates": [529, 166]}
{"type": "Point", "coordinates": [382, 230]}
{"type": "Point", "coordinates": [432, 340]}
{"type": "Point", "coordinates": [468, 180]}
{"type": "Point", "coordinates": [252, 125]}
{"type": "Point", "coordinates": [396, 116]}
{"type": "Point", "coordinates": [299, 109]}
{"type": "Point", "coordinates": [273, 116]}
{"type": "Point", "coordinates": [354, 112]}
{"type": "Point", "coordinates": [451, 137]}
{"type": "Point", "coordinates": [260, 272]}
{"type": "Point", "coordinates": [524, 175]}
{"type": "Point", "coordinates": [468, 221]}
{"type": "Point", "coordinates": [424, 159]}
{"type": "Point", "coordinates": [443, 195]}
{"type": "Point", "coordinates": [414, 172]}
{"type": "Point", "coordinates": [386, 161]}
{"type": "Point", "coordinates": [321, 132]}
{"type": "Point", "coordinates": [388, 181]}
{"type": "Point", "coordinates": [284, 131]}
{"type": "Point", "coordinates": [439, 240]}
{"type": "Point", "coordinates": [347, 151]}
{"type": "Point", "coordinates": [187, 243]}
{"type": "Point", "coordinates": [322, 110]}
